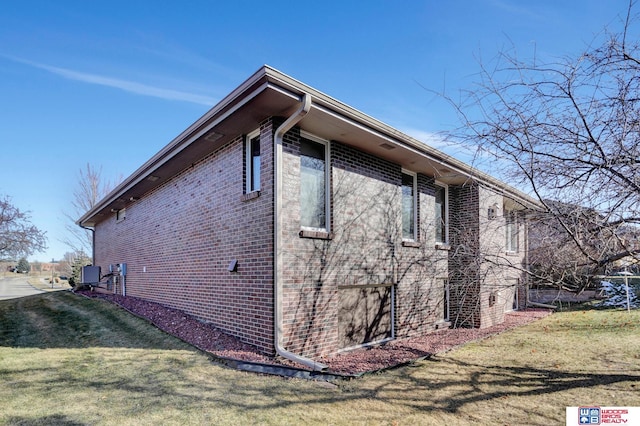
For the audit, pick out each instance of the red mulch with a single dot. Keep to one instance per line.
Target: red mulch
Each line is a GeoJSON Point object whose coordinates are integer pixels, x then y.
{"type": "Point", "coordinates": [210, 339]}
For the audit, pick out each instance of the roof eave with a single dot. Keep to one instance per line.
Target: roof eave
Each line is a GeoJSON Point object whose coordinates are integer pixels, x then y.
{"type": "Point", "coordinates": [396, 136]}
{"type": "Point", "coordinates": [268, 77]}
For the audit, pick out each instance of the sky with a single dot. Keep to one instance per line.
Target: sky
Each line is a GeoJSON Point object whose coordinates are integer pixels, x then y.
{"type": "Point", "coordinates": [111, 83]}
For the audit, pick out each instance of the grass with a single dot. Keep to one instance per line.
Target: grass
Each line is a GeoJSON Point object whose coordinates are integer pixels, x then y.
{"type": "Point", "coordinates": [69, 360]}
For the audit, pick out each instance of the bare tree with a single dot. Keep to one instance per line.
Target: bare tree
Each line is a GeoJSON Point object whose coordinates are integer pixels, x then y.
{"type": "Point", "coordinates": [568, 131]}
{"type": "Point", "coordinates": [18, 236]}
{"type": "Point", "coordinates": [554, 256]}
{"type": "Point", "coordinates": [91, 189]}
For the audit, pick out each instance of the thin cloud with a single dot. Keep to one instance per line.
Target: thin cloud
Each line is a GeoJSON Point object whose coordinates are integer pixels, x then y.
{"type": "Point", "coordinates": [434, 140]}
{"type": "Point", "coordinates": [516, 9]}
{"type": "Point", "coordinates": [470, 154]}
{"type": "Point", "coordinates": [125, 85]}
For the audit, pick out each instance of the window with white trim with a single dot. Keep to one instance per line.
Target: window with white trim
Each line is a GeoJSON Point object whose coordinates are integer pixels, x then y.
{"type": "Point", "coordinates": [442, 213]}
{"type": "Point", "coordinates": [314, 183]}
{"type": "Point", "coordinates": [252, 162]}
{"type": "Point", "coordinates": [409, 205]}
{"type": "Point", "coordinates": [511, 230]}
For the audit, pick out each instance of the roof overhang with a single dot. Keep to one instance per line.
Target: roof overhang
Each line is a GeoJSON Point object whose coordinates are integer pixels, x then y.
{"type": "Point", "coordinates": [268, 93]}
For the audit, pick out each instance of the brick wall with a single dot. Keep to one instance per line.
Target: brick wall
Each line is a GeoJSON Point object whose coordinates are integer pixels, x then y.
{"type": "Point", "coordinates": [464, 257]}
{"type": "Point", "coordinates": [365, 251]}
{"type": "Point", "coordinates": [421, 271]}
{"type": "Point", "coordinates": [484, 276]}
{"type": "Point", "coordinates": [504, 279]}
{"type": "Point", "coordinates": [179, 239]}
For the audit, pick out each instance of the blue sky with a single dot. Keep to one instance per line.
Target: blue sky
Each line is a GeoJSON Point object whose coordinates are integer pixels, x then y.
{"type": "Point", "coordinates": [111, 83]}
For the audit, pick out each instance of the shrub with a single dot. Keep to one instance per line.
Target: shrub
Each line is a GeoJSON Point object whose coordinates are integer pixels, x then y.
{"type": "Point", "coordinates": [616, 293]}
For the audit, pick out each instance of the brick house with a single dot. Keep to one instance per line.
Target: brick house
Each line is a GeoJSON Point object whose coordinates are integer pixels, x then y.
{"type": "Point", "coordinates": [304, 227]}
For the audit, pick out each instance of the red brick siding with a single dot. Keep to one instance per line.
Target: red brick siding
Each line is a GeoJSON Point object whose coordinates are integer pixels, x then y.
{"type": "Point", "coordinates": [465, 254]}
{"type": "Point", "coordinates": [186, 232]}
{"type": "Point", "coordinates": [421, 271]}
{"type": "Point", "coordinates": [365, 249]}
{"type": "Point", "coordinates": [483, 275]}
{"type": "Point", "coordinates": [502, 276]}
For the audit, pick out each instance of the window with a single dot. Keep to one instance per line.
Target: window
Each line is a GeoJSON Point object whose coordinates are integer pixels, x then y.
{"type": "Point", "coordinates": [511, 230]}
{"type": "Point", "coordinates": [252, 158]}
{"type": "Point", "coordinates": [313, 185]}
{"type": "Point", "coordinates": [409, 205]}
{"type": "Point", "coordinates": [442, 214]}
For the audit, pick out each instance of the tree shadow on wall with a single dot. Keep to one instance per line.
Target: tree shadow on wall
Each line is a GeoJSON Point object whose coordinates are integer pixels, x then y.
{"type": "Point", "coordinates": [352, 280]}
{"type": "Point", "coordinates": [349, 282]}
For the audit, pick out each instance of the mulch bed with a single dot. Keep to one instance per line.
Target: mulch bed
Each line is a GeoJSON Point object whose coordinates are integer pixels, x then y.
{"type": "Point", "coordinates": [210, 339]}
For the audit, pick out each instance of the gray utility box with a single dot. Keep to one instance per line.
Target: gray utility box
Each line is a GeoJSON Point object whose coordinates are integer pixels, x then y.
{"type": "Point", "coordinates": [90, 274]}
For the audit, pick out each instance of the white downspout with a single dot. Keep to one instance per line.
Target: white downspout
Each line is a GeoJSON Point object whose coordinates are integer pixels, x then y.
{"type": "Point", "coordinates": [278, 264]}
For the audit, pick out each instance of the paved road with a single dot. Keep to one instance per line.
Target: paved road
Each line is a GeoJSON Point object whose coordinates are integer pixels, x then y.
{"type": "Point", "coordinates": [17, 286]}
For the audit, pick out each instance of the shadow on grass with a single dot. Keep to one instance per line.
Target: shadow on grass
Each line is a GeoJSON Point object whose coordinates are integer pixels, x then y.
{"type": "Point", "coordinates": [427, 386]}
{"type": "Point", "coordinates": [464, 383]}
{"type": "Point", "coordinates": [66, 320]}
{"type": "Point", "coordinates": [154, 380]}
{"type": "Point", "coordinates": [159, 381]}
{"type": "Point", "coordinates": [55, 419]}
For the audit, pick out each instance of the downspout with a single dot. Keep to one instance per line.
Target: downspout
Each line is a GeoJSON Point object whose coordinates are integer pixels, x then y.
{"type": "Point", "coordinates": [93, 243]}
{"type": "Point", "coordinates": [278, 264]}
{"type": "Point", "coordinates": [527, 263]}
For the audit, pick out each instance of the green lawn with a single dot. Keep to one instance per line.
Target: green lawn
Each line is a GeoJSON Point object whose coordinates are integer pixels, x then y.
{"type": "Point", "coordinates": [69, 360]}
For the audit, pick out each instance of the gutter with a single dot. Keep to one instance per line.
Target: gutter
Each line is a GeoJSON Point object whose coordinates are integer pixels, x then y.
{"type": "Point", "coordinates": [278, 264]}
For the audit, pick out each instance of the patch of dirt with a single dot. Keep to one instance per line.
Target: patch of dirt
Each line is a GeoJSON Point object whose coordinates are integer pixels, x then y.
{"type": "Point", "coordinates": [210, 339]}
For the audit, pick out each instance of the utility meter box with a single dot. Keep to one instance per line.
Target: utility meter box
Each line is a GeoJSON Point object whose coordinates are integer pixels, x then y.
{"type": "Point", "coordinates": [90, 275]}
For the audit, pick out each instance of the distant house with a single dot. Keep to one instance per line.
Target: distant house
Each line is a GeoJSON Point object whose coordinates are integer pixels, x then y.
{"type": "Point", "coordinates": [305, 227]}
